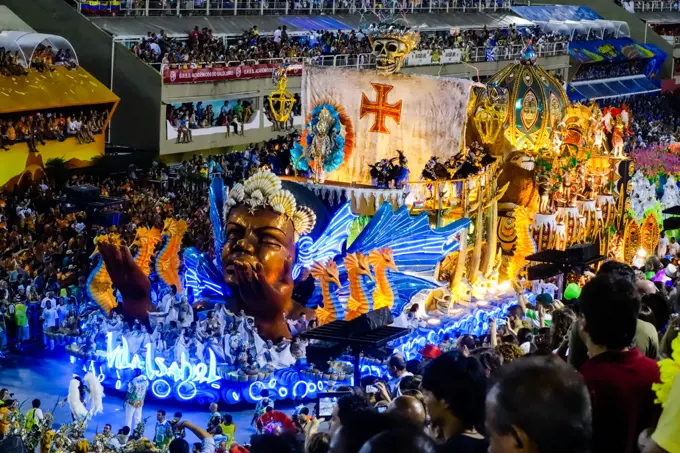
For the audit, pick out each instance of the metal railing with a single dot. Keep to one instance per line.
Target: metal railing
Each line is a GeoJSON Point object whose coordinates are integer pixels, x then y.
{"type": "Point", "coordinates": [367, 60]}
{"type": "Point", "coordinates": [232, 63]}
{"type": "Point", "coordinates": [504, 53]}
{"type": "Point", "coordinates": [278, 7]}
{"type": "Point", "coordinates": [656, 6]}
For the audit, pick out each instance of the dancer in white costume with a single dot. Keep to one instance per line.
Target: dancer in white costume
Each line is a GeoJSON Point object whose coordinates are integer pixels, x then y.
{"type": "Point", "coordinates": [78, 391]}
{"type": "Point", "coordinates": [134, 400]}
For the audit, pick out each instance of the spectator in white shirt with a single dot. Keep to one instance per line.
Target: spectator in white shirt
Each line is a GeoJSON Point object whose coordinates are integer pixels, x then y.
{"type": "Point", "coordinates": [72, 127]}
{"type": "Point", "coordinates": [396, 366]}
{"type": "Point", "coordinates": [62, 311]}
{"type": "Point", "coordinates": [50, 319]}
{"type": "Point", "coordinates": [662, 247]}
{"type": "Point", "coordinates": [35, 415]}
{"type": "Point", "coordinates": [673, 248]}
{"type": "Point", "coordinates": [155, 48]}
{"type": "Point", "coordinates": [277, 36]}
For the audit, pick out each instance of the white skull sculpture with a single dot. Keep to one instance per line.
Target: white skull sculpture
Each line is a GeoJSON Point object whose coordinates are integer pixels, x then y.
{"type": "Point", "coordinates": [390, 54]}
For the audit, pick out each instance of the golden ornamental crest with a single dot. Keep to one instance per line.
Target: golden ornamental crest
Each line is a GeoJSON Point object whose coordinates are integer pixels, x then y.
{"type": "Point", "coordinates": [281, 100]}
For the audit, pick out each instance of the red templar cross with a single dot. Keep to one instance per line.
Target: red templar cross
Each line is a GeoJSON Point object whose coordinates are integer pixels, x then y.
{"type": "Point", "coordinates": [380, 108]}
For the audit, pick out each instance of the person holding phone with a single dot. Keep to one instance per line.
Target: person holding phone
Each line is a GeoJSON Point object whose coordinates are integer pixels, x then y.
{"type": "Point", "coordinates": [182, 446]}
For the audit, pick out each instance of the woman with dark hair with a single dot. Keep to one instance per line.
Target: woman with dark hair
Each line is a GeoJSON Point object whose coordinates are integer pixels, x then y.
{"type": "Point", "coordinates": [646, 314]}
{"type": "Point", "coordinates": [490, 359]}
{"type": "Point", "coordinates": [454, 388]}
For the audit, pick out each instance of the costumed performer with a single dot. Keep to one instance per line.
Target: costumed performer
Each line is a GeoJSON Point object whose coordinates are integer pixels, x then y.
{"type": "Point", "coordinates": [77, 392]}
{"type": "Point", "coordinates": [96, 392]}
{"type": "Point", "coordinates": [76, 398]}
{"type": "Point", "coordinates": [262, 223]}
{"type": "Point", "coordinates": [261, 408]}
{"type": "Point", "coordinates": [134, 399]}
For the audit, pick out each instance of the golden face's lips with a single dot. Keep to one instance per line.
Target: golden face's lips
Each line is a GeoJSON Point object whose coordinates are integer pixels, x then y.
{"type": "Point", "coordinates": [228, 264]}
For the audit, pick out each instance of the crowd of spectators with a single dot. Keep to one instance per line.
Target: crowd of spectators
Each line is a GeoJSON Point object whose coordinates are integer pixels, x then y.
{"type": "Point", "coordinates": [202, 47]}
{"type": "Point", "coordinates": [655, 119]}
{"type": "Point", "coordinates": [198, 116]}
{"type": "Point", "coordinates": [610, 70]}
{"type": "Point", "coordinates": [59, 125]}
{"type": "Point", "coordinates": [666, 29]}
{"type": "Point", "coordinates": [44, 59]}
{"type": "Point", "coordinates": [647, 5]}
{"type": "Point", "coordinates": [569, 376]}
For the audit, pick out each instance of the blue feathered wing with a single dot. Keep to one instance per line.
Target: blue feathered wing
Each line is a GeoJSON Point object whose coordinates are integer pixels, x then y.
{"type": "Point", "coordinates": [416, 247]}
{"type": "Point", "coordinates": [216, 196]}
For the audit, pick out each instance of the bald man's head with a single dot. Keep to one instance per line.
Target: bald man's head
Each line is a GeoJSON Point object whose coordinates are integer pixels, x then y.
{"type": "Point", "coordinates": [645, 287]}
{"type": "Point", "coordinates": [409, 408]}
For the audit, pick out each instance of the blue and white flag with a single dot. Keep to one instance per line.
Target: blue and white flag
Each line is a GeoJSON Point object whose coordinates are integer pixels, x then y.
{"type": "Point", "coordinates": [491, 53]}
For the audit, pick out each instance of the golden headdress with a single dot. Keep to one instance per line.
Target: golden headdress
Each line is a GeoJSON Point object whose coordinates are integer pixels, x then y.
{"type": "Point", "coordinates": [399, 32]}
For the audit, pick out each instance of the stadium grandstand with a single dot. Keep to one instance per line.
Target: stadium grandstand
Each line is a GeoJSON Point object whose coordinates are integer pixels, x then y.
{"type": "Point", "coordinates": [169, 59]}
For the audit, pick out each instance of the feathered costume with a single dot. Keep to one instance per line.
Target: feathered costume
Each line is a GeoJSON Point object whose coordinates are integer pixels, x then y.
{"type": "Point", "coordinates": [76, 396]}
{"type": "Point", "coordinates": [75, 400]}
{"type": "Point", "coordinates": [97, 393]}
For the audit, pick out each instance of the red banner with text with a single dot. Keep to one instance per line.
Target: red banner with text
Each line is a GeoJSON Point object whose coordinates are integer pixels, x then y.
{"type": "Point", "coordinates": [218, 74]}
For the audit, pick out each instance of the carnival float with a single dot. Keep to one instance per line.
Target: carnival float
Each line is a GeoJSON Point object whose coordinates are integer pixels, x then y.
{"type": "Point", "coordinates": [436, 191]}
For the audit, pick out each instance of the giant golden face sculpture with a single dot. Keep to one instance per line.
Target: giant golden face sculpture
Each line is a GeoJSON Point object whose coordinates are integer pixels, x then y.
{"type": "Point", "coordinates": [257, 261]}
{"type": "Point", "coordinates": [263, 223]}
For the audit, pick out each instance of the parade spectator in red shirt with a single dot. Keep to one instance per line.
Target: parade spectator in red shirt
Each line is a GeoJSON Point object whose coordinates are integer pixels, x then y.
{"type": "Point", "coordinates": [618, 376]}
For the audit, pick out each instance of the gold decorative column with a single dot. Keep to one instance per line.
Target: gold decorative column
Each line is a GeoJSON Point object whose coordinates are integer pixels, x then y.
{"type": "Point", "coordinates": [587, 211]}
{"type": "Point", "coordinates": [569, 217]}
{"type": "Point", "coordinates": [544, 231]}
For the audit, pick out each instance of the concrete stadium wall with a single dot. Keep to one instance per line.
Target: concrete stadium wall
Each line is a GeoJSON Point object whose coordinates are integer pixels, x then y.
{"type": "Point", "coordinates": [10, 21]}
{"type": "Point", "coordinates": [137, 85]}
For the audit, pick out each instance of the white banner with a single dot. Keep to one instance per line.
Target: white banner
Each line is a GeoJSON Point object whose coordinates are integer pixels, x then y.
{"type": "Point", "coordinates": [423, 116]}
{"type": "Point", "coordinates": [419, 58]}
{"type": "Point", "coordinates": [451, 56]}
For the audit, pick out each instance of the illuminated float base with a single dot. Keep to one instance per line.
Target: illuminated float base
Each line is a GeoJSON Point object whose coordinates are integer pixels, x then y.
{"type": "Point", "coordinates": [207, 382]}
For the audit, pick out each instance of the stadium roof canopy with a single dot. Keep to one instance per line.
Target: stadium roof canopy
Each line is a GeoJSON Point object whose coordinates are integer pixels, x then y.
{"type": "Point", "coordinates": [612, 88]}
{"type": "Point", "coordinates": [27, 42]}
{"type": "Point", "coordinates": [659, 17]}
{"type": "Point", "coordinates": [594, 29]}
{"type": "Point", "coordinates": [134, 27]}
